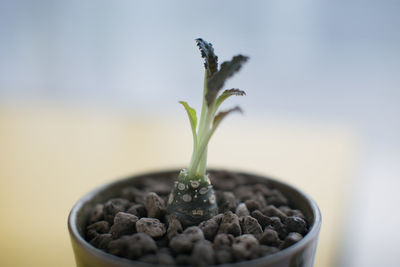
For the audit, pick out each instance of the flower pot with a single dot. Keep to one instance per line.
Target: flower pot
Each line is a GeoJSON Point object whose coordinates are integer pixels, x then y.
{"type": "Point", "coordinates": [301, 253]}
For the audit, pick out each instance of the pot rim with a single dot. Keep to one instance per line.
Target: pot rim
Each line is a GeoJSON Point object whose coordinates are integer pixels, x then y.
{"type": "Point", "coordinates": [80, 241]}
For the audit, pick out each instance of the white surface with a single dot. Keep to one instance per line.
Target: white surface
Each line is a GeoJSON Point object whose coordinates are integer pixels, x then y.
{"type": "Point", "coordinates": [373, 218]}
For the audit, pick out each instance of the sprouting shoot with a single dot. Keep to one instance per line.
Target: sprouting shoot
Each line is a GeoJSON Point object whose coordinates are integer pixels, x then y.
{"type": "Point", "coordinates": [193, 200]}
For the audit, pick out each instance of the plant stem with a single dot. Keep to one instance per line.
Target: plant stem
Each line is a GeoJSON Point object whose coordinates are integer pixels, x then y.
{"type": "Point", "coordinates": [198, 162]}
{"type": "Point", "coordinates": [204, 104]}
{"type": "Point", "coordinates": [201, 153]}
{"type": "Point", "coordinates": [201, 170]}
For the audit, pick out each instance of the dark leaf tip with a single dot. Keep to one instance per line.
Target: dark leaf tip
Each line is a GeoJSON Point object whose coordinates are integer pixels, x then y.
{"type": "Point", "coordinates": [207, 52]}
{"type": "Point", "coordinates": [235, 91]}
{"type": "Point", "coordinates": [227, 70]}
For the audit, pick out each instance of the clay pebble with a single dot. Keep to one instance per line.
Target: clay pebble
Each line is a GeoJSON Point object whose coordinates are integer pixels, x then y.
{"type": "Point", "coordinates": [124, 224]}
{"type": "Point", "coordinates": [151, 226]}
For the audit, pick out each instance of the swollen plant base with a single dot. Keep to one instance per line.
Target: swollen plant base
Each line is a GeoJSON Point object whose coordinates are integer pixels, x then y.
{"type": "Point", "coordinates": [253, 221]}
{"type": "Point", "coordinates": [192, 201]}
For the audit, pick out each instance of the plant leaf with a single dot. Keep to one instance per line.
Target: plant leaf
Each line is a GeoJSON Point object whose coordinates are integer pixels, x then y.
{"type": "Point", "coordinates": [217, 81]}
{"type": "Point", "coordinates": [210, 59]}
{"type": "Point", "coordinates": [192, 117]}
{"type": "Point", "coordinates": [222, 114]}
{"type": "Point", "coordinates": [228, 93]}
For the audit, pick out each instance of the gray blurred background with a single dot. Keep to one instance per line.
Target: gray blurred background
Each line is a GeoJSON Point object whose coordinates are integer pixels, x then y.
{"type": "Point", "coordinates": [336, 62]}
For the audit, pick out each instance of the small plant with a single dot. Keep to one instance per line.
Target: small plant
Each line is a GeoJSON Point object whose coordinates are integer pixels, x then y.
{"type": "Point", "coordinates": [192, 199]}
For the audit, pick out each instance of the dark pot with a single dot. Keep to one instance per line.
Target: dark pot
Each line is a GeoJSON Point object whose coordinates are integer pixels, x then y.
{"type": "Point", "coordinates": [299, 254]}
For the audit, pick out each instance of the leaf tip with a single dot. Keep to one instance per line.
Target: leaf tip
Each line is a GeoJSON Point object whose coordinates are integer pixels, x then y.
{"type": "Point", "coordinates": [207, 52]}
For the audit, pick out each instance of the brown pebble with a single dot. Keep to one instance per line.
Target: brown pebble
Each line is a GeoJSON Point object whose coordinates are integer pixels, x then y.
{"type": "Point", "coordinates": [272, 211]}
{"type": "Point", "coordinates": [137, 209]}
{"type": "Point", "coordinates": [230, 224]}
{"type": "Point", "coordinates": [183, 243]}
{"type": "Point", "coordinates": [124, 224]}
{"type": "Point", "coordinates": [96, 214]}
{"type": "Point", "coordinates": [218, 218]}
{"type": "Point", "coordinates": [209, 228]}
{"type": "Point", "coordinates": [259, 197]}
{"type": "Point", "coordinates": [113, 206]}
{"type": "Point", "coordinates": [285, 209]}
{"type": "Point", "coordinates": [252, 205]}
{"type": "Point", "coordinates": [261, 218]}
{"type": "Point", "coordinates": [244, 192]}
{"type": "Point", "coordinates": [203, 253]}
{"type": "Point", "coordinates": [101, 241]}
{"type": "Point", "coordinates": [294, 212]}
{"type": "Point", "coordinates": [291, 239]}
{"type": "Point", "coordinates": [226, 202]}
{"type": "Point", "coordinates": [223, 256]}
{"type": "Point", "coordinates": [279, 227]}
{"type": "Point", "coordinates": [226, 181]}
{"type": "Point", "coordinates": [155, 205]}
{"type": "Point", "coordinates": [277, 198]}
{"type": "Point", "coordinates": [164, 257]}
{"type": "Point", "coordinates": [242, 210]}
{"type": "Point", "coordinates": [133, 194]}
{"type": "Point", "coordinates": [194, 233]}
{"type": "Point", "coordinates": [174, 228]}
{"type": "Point", "coordinates": [270, 238]}
{"type": "Point", "coordinates": [151, 226]}
{"type": "Point", "coordinates": [245, 247]}
{"type": "Point", "coordinates": [101, 227]}
{"type": "Point", "coordinates": [162, 242]}
{"type": "Point", "coordinates": [132, 246]}
{"type": "Point", "coordinates": [263, 189]}
{"type": "Point", "coordinates": [251, 226]}
{"type": "Point", "coordinates": [223, 241]}
{"type": "Point", "coordinates": [296, 224]}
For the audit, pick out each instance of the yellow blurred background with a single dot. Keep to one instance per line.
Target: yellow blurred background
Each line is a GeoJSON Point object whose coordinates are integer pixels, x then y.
{"type": "Point", "coordinates": [51, 156]}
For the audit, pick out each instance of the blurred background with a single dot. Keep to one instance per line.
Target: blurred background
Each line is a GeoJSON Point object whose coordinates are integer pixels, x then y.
{"type": "Point", "coordinates": [89, 91]}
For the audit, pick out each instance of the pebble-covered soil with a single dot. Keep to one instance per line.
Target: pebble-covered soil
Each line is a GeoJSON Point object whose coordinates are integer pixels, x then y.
{"type": "Point", "coordinates": [253, 221]}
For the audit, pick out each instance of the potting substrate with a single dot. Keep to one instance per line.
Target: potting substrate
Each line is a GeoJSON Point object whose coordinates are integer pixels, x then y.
{"type": "Point", "coordinates": [253, 220]}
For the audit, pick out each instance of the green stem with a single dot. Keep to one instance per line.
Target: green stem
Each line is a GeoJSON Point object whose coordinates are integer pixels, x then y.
{"type": "Point", "coordinates": [204, 104]}
{"type": "Point", "coordinates": [203, 139]}
{"type": "Point", "coordinates": [201, 149]}
{"type": "Point", "coordinates": [192, 167]}
{"type": "Point", "coordinates": [201, 170]}
{"type": "Point", "coordinates": [202, 154]}
{"type": "Point", "coordinates": [197, 166]}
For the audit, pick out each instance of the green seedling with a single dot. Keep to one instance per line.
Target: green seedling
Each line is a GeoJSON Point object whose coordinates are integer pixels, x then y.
{"type": "Point", "coordinates": [192, 199]}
